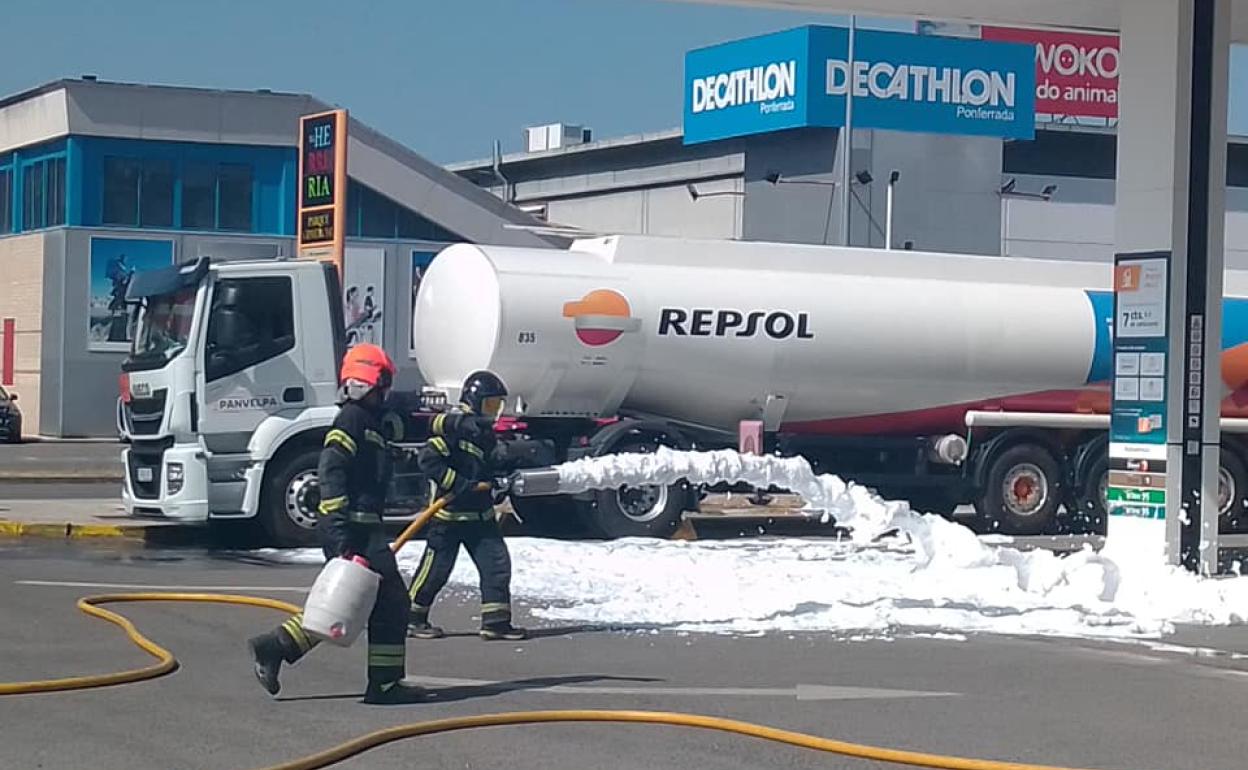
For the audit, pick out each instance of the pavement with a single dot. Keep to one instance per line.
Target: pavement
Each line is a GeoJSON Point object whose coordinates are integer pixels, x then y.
{"type": "Point", "coordinates": [1059, 702]}
{"type": "Point", "coordinates": [61, 462]}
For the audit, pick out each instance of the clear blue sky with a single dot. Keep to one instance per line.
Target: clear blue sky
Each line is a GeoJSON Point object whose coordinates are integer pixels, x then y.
{"type": "Point", "coordinates": [445, 78]}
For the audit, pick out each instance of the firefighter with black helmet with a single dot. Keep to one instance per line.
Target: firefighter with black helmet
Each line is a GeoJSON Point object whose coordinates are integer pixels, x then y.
{"type": "Point", "coordinates": [354, 473]}
{"type": "Point", "coordinates": [461, 458]}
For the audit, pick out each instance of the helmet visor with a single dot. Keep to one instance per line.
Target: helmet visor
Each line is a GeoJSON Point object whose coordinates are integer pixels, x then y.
{"type": "Point", "coordinates": [492, 406]}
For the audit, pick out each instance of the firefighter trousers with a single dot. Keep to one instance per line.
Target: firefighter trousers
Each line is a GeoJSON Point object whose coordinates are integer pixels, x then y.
{"type": "Point", "coordinates": [387, 624]}
{"type": "Point", "coordinates": [484, 543]}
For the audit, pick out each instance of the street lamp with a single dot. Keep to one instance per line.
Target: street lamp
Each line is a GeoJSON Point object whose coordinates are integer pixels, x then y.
{"type": "Point", "coordinates": [888, 210]}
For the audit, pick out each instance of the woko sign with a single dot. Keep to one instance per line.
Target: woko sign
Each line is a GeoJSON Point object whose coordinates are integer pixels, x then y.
{"type": "Point", "coordinates": [1076, 74]}
{"type": "Point", "coordinates": [803, 76]}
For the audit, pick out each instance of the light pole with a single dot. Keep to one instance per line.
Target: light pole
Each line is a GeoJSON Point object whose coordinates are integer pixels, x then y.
{"type": "Point", "coordinates": [847, 134]}
{"type": "Point", "coordinates": [888, 210]}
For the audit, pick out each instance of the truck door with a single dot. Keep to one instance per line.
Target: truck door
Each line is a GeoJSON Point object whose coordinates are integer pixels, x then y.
{"type": "Point", "coordinates": [252, 358]}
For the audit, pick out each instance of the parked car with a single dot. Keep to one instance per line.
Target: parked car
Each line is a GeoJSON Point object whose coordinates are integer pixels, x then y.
{"type": "Point", "coordinates": [10, 418]}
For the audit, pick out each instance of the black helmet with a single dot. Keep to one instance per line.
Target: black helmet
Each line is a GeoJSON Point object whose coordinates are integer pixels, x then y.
{"type": "Point", "coordinates": [478, 387]}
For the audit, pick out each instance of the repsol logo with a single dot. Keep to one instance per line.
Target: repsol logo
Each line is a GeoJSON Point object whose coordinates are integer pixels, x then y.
{"type": "Point", "coordinates": [777, 324]}
{"type": "Point", "coordinates": [246, 404]}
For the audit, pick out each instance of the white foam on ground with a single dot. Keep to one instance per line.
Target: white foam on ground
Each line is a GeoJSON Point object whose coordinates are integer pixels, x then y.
{"type": "Point", "coordinates": [898, 572]}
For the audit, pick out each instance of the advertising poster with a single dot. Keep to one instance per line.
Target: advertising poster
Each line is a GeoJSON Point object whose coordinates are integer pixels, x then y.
{"type": "Point", "coordinates": [1076, 73]}
{"type": "Point", "coordinates": [113, 262]}
{"type": "Point", "coordinates": [1137, 449]}
{"type": "Point", "coordinates": [364, 287]}
{"type": "Point", "coordinates": [420, 263]}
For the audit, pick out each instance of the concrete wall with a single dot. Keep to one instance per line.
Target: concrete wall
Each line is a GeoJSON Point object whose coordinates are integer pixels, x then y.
{"type": "Point", "coordinates": [660, 210]}
{"type": "Point", "coordinates": [803, 206]}
{"type": "Point", "coordinates": [21, 298]}
{"type": "Point", "coordinates": [1078, 223]}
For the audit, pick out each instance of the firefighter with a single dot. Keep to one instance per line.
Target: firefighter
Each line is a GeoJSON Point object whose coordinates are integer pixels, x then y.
{"type": "Point", "coordinates": [461, 459]}
{"type": "Point", "coordinates": [354, 473]}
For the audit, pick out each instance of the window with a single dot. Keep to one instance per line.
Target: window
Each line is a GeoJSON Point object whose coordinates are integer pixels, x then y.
{"type": "Point", "coordinates": [372, 215]}
{"type": "Point", "coordinates": [199, 197]}
{"type": "Point", "coordinates": [121, 191]}
{"type": "Point", "coordinates": [32, 197]}
{"type": "Point", "coordinates": [217, 197]}
{"type": "Point", "coordinates": [234, 197]}
{"type": "Point", "coordinates": [251, 320]}
{"type": "Point", "coordinates": [54, 197]}
{"type": "Point", "coordinates": [156, 194]}
{"type": "Point", "coordinates": [138, 193]}
{"type": "Point", "coordinates": [6, 200]}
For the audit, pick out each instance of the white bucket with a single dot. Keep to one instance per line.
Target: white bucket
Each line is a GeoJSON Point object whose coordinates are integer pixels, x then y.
{"type": "Point", "coordinates": [341, 600]}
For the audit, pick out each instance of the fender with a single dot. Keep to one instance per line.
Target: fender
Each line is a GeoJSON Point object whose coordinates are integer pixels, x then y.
{"type": "Point", "coordinates": [1085, 458]}
{"type": "Point", "coordinates": [273, 433]}
{"type": "Point", "coordinates": [982, 458]}
{"type": "Point", "coordinates": [605, 440]}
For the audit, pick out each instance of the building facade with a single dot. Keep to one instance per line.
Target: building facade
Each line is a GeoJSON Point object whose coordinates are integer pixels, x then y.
{"type": "Point", "coordinates": [98, 180]}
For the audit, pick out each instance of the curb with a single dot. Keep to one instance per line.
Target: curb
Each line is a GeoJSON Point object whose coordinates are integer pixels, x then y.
{"type": "Point", "coordinates": [70, 530]}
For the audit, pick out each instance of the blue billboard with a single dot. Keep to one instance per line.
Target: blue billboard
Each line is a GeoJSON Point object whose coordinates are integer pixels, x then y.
{"type": "Point", "coordinates": [898, 81]}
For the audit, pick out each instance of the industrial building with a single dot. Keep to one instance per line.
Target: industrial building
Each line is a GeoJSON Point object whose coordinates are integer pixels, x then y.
{"type": "Point", "coordinates": [1050, 197]}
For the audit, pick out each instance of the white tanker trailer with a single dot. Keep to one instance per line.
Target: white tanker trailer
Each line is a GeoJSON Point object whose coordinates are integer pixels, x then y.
{"type": "Point", "coordinates": [938, 378]}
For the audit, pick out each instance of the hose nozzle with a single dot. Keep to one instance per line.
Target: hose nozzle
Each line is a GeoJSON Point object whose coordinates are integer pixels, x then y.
{"type": "Point", "coordinates": [535, 482]}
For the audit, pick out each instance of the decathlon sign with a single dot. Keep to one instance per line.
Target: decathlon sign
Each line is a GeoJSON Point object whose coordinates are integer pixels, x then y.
{"type": "Point", "coordinates": [802, 77]}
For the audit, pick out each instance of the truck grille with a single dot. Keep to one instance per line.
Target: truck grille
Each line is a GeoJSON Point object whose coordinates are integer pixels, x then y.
{"type": "Point", "coordinates": [146, 414]}
{"type": "Point", "coordinates": [144, 467]}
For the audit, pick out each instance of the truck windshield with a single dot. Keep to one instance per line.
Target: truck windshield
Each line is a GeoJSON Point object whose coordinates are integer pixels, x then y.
{"type": "Point", "coordinates": [164, 327]}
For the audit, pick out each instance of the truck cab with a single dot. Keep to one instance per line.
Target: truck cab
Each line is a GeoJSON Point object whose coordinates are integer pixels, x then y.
{"type": "Point", "coordinates": [228, 389]}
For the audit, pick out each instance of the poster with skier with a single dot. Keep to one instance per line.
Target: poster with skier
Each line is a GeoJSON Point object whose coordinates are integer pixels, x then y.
{"type": "Point", "coordinates": [363, 295]}
{"type": "Point", "coordinates": [112, 263]}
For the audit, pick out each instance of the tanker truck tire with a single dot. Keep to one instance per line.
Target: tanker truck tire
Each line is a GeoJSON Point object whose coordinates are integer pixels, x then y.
{"type": "Point", "coordinates": [1232, 490]}
{"type": "Point", "coordinates": [651, 511]}
{"type": "Point", "coordinates": [1022, 492]}
{"type": "Point", "coordinates": [288, 503]}
{"type": "Point", "coordinates": [1092, 516]}
{"type": "Point", "coordinates": [553, 516]}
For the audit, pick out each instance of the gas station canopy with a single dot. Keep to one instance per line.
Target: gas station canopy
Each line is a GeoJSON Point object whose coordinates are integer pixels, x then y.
{"type": "Point", "coordinates": [1064, 14]}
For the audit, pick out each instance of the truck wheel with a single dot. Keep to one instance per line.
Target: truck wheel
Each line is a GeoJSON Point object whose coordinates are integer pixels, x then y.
{"type": "Point", "coordinates": [554, 516]}
{"type": "Point", "coordinates": [646, 511]}
{"type": "Point", "coordinates": [1232, 489]}
{"type": "Point", "coordinates": [288, 505]}
{"type": "Point", "coordinates": [1092, 503]}
{"type": "Point", "coordinates": [1022, 492]}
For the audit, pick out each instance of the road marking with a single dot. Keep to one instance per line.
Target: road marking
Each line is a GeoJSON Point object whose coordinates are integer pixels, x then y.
{"type": "Point", "coordinates": [142, 587]}
{"type": "Point", "coordinates": [802, 692]}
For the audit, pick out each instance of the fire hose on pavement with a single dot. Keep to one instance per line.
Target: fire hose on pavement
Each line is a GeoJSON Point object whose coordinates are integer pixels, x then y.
{"type": "Point", "coordinates": [167, 663]}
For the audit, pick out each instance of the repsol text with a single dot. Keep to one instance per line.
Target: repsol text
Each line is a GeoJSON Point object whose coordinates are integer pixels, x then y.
{"type": "Point", "coordinates": [706, 322]}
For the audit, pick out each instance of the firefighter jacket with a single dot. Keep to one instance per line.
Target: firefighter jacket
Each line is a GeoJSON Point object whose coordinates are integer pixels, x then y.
{"type": "Point", "coordinates": [460, 454]}
{"type": "Point", "coordinates": [354, 476]}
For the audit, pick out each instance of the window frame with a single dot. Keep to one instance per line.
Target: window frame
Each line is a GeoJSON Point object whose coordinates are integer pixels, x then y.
{"type": "Point", "coordinates": [267, 347]}
{"type": "Point", "coordinates": [39, 167]}
{"type": "Point", "coordinates": [8, 222]}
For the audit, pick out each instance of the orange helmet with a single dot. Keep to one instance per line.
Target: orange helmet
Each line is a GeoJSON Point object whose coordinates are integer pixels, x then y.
{"type": "Point", "coordinates": [367, 364]}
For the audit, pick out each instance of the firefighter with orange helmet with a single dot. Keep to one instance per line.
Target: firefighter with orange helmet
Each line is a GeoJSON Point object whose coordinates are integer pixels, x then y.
{"type": "Point", "coordinates": [354, 474]}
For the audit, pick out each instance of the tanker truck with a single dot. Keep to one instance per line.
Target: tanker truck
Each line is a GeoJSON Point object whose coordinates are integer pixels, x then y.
{"type": "Point", "coordinates": [946, 380]}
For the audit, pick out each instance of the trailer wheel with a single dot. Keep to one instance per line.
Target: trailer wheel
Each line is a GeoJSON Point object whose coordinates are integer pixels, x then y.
{"type": "Point", "coordinates": [645, 511]}
{"type": "Point", "coordinates": [1092, 502]}
{"type": "Point", "coordinates": [1232, 490]}
{"type": "Point", "coordinates": [1023, 491]}
{"type": "Point", "coordinates": [288, 504]}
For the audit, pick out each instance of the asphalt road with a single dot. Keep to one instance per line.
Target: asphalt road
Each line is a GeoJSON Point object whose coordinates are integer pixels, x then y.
{"type": "Point", "coordinates": [20, 490]}
{"type": "Point", "coordinates": [1057, 702]}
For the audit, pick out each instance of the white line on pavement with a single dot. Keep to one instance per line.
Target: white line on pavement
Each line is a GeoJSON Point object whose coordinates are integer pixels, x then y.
{"type": "Point", "coordinates": [141, 587]}
{"type": "Point", "coordinates": [804, 692]}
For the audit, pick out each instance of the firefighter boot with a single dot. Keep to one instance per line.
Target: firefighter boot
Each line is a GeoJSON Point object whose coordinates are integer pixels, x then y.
{"type": "Point", "coordinates": [267, 656]}
{"type": "Point", "coordinates": [394, 694]}
{"type": "Point", "coordinates": [418, 626]}
{"type": "Point", "coordinates": [502, 631]}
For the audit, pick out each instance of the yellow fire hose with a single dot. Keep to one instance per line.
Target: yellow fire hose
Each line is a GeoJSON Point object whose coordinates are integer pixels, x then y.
{"type": "Point", "coordinates": [167, 663]}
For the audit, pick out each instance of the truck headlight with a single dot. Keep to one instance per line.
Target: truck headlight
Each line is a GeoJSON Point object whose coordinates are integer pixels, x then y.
{"type": "Point", "coordinates": [174, 477]}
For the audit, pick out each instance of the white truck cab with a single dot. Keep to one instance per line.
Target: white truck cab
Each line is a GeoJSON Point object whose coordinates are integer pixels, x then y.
{"type": "Point", "coordinates": [228, 390]}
